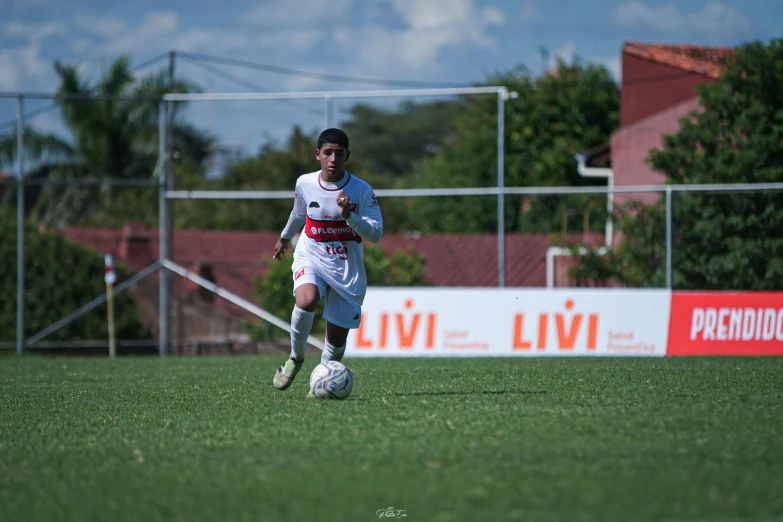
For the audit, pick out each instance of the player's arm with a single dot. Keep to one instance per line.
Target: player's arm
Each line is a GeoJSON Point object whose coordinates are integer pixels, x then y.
{"type": "Point", "coordinates": [296, 221]}
{"type": "Point", "coordinates": [369, 225]}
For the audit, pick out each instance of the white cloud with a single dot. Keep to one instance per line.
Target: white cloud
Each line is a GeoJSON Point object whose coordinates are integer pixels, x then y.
{"type": "Point", "coordinates": [106, 27]}
{"type": "Point", "coordinates": [298, 40]}
{"type": "Point", "coordinates": [158, 23]}
{"type": "Point", "coordinates": [529, 13]}
{"type": "Point", "coordinates": [566, 53]}
{"type": "Point", "coordinates": [156, 32]}
{"type": "Point", "coordinates": [210, 40]}
{"type": "Point", "coordinates": [271, 12]}
{"type": "Point", "coordinates": [49, 123]}
{"type": "Point", "coordinates": [303, 83]}
{"type": "Point", "coordinates": [9, 79]}
{"type": "Point", "coordinates": [715, 18]}
{"type": "Point", "coordinates": [613, 65]}
{"type": "Point", "coordinates": [33, 32]}
{"type": "Point", "coordinates": [151, 33]}
{"type": "Point", "coordinates": [430, 27]}
{"type": "Point", "coordinates": [115, 29]}
{"type": "Point", "coordinates": [21, 64]}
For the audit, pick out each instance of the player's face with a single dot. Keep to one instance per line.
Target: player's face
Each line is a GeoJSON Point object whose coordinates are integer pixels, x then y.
{"type": "Point", "coordinates": [332, 158]}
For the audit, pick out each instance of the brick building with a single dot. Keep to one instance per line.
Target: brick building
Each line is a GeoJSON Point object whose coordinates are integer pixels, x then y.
{"type": "Point", "coordinates": [233, 259]}
{"type": "Point", "coordinates": [658, 89]}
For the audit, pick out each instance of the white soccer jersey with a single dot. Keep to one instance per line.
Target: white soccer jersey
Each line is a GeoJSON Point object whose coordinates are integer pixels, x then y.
{"type": "Point", "coordinates": [330, 243]}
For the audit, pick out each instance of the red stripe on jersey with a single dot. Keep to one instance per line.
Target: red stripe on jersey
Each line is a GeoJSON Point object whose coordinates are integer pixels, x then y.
{"type": "Point", "coordinates": [326, 231]}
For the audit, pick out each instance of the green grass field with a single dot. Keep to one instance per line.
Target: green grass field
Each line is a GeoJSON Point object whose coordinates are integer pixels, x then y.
{"type": "Point", "coordinates": [143, 439]}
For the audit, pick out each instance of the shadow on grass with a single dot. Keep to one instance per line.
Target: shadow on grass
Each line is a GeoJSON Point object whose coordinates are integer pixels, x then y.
{"type": "Point", "coordinates": [478, 392]}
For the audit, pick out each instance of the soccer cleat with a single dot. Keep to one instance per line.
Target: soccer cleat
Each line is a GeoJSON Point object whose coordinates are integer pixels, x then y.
{"type": "Point", "coordinates": [284, 376]}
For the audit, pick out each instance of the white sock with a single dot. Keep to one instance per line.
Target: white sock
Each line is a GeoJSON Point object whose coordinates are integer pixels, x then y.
{"type": "Point", "coordinates": [301, 324]}
{"type": "Point", "coordinates": [332, 353]}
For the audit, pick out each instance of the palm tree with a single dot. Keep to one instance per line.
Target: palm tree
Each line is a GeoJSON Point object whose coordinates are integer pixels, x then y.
{"type": "Point", "coordinates": [42, 152]}
{"type": "Point", "coordinates": [115, 136]}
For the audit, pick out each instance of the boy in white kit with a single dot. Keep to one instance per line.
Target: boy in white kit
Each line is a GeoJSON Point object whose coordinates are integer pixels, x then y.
{"type": "Point", "coordinates": [338, 211]}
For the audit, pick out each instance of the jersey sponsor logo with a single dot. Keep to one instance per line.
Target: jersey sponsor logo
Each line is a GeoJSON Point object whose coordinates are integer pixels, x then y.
{"type": "Point", "coordinates": [314, 204]}
{"type": "Point", "coordinates": [328, 231]}
{"type": "Point", "coordinates": [339, 251]}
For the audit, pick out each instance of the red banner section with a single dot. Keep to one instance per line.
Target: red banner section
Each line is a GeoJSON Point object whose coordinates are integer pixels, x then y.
{"type": "Point", "coordinates": [725, 323]}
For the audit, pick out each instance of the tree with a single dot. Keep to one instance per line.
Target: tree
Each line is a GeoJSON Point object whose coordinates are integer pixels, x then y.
{"type": "Point", "coordinates": [721, 241]}
{"type": "Point", "coordinates": [60, 276]}
{"type": "Point", "coordinates": [114, 127]}
{"type": "Point", "coordinates": [384, 146]}
{"type": "Point", "coordinates": [275, 167]}
{"type": "Point", "coordinates": [389, 142]}
{"type": "Point", "coordinates": [38, 147]}
{"type": "Point", "coordinates": [43, 151]}
{"type": "Point", "coordinates": [274, 294]}
{"type": "Point", "coordinates": [573, 108]}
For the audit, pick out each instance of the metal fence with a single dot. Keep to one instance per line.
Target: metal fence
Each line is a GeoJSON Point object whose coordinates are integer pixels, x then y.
{"type": "Point", "coordinates": [163, 182]}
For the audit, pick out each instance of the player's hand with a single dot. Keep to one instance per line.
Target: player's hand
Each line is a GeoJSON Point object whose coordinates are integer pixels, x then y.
{"type": "Point", "coordinates": [344, 202]}
{"type": "Point", "coordinates": [280, 248]}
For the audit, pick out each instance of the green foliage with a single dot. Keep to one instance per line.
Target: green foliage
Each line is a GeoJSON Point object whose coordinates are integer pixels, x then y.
{"type": "Point", "coordinates": [60, 276]}
{"type": "Point", "coordinates": [638, 261]}
{"type": "Point", "coordinates": [110, 138]}
{"type": "Point", "coordinates": [384, 146]}
{"type": "Point", "coordinates": [276, 167]}
{"type": "Point", "coordinates": [573, 109]}
{"type": "Point", "coordinates": [593, 270]}
{"type": "Point", "coordinates": [721, 241]}
{"type": "Point", "coordinates": [389, 142]}
{"type": "Point", "coordinates": [274, 292]}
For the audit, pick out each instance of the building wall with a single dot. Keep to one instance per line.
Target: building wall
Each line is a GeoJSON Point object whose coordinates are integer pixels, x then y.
{"type": "Point", "coordinates": [650, 87]}
{"type": "Point", "coordinates": [631, 147]}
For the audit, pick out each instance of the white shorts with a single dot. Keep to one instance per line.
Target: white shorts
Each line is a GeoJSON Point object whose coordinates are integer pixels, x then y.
{"type": "Point", "coordinates": [337, 310]}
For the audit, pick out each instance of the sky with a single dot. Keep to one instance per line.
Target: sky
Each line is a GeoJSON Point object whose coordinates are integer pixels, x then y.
{"type": "Point", "coordinates": [440, 41]}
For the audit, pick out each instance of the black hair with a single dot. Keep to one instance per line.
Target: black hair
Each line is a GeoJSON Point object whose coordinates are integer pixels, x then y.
{"type": "Point", "coordinates": [335, 136]}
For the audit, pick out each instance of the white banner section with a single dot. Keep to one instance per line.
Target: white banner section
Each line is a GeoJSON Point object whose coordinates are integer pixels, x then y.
{"type": "Point", "coordinates": [484, 322]}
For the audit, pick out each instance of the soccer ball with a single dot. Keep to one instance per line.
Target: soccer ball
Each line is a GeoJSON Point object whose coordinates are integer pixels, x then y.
{"type": "Point", "coordinates": [331, 381]}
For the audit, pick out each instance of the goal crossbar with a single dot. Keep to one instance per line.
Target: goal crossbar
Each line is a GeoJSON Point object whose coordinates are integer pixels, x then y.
{"type": "Point", "coordinates": [378, 93]}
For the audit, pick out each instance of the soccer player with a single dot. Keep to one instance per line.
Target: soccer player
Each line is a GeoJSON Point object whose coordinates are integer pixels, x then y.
{"type": "Point", "coordinates": [339, 211]}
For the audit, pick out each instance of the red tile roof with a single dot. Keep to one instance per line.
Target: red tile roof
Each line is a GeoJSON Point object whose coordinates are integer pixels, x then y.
{"type": "Point", "coordinates": [693, 58]}
{"type": "Point", "coordinates": [472, 260]}
{"type": "Point", "coordinates": [237, 257]}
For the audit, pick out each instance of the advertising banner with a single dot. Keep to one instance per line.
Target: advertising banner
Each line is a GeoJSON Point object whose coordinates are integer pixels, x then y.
{"type": "Point", "coordinates": [410, 322]}
{"type": "Point", "coordinates": [726, 323]}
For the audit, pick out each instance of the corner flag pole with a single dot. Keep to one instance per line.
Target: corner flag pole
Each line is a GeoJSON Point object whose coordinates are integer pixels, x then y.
{"type": "Point", "coordinates": [110, 279]}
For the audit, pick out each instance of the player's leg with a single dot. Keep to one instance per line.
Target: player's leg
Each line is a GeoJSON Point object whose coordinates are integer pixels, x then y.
{"type": "Point", "coordinates": [308, 289]}
{"type": "Point", "coordinates": [341, 316]}
{"type": "Point", "coordinates": [334, 345]}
